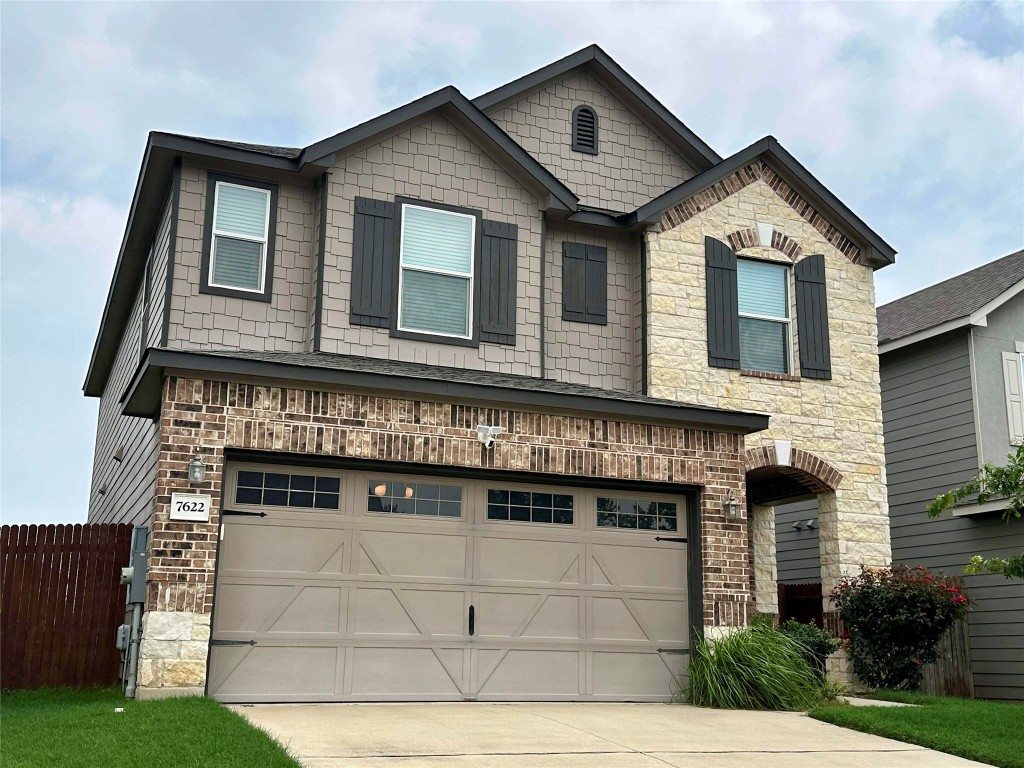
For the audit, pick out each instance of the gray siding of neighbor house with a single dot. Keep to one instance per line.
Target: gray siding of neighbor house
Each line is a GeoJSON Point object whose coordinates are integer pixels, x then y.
{"type": "Point", "coordinates": [130, 483]}
{"type": "Point", "coordinates": [605, 356]}
{"type": "Point", "coordinates": [797, 553]}
{"type": "Point", "coordinates": [930, 443]}
{"type": "Point", "coordinates": [1005, 327]}
{"type": "Point", "coordinates": [204, 321]}
{"type": "Point", "coordinates": [436, 162]}
{"type": "Point", "coordinates": [633, 164]}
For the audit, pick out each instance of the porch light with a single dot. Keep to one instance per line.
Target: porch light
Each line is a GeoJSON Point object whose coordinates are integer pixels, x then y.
{"type": "Point", "coordinates": [196, 470]}
{"type": "Point", "coordinates": [731, 506]}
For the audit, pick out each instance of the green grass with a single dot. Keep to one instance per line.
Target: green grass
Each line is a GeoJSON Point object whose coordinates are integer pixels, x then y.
{"type": "Point", "coordinates": [986, 731]}
{"type": "Point", "coordinates": [71, 728]}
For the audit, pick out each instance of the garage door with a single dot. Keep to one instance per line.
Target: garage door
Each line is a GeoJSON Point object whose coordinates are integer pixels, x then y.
{"type": "Point", "coordinates": [351, 586]}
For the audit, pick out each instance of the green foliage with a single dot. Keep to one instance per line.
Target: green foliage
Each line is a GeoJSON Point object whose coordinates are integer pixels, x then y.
{"type": "Point", "coordinates": [991, 483]}
{"type": "Point", "coordinates": [753, 668]}
{"type": "Point", "coordinates": [894, 619]}
{"type": "Point", "coordinates": [816, 644]}
{"type": "Point", "coordinates": [984, 731]}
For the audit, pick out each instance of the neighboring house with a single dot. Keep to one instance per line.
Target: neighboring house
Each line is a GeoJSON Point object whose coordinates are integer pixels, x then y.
{"type": "Point", "coordinates": [484, 392]}
{"type": "Point", "coordinates": [951, 395]}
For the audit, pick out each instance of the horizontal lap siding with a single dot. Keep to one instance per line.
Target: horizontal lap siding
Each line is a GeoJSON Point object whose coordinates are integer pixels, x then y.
{"type": "Point", "coordinates": [158, 280]}
{"type": "Point", "coordinates": [130, 482]}
{"type": "Point", "coordinates": [931, 447]}
{"type": "Point", "coordinates": [798, 557]}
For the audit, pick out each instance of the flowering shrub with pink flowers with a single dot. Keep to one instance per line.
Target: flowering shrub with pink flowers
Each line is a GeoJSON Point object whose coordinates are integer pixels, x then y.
{"type": "Point", "coordinates": [893, 620]}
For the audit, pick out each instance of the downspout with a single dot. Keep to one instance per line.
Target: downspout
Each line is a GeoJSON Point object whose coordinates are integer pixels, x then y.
{"type": "Point", "coordinates": [543, 296]}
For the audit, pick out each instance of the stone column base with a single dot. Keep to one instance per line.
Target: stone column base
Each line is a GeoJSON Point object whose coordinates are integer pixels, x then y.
{"type": "Point", "coordinates": [172, 657]}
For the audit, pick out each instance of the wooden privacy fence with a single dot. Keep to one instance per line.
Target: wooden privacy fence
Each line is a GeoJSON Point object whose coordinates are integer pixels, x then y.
{"type": "Point", "coordinates": [61, 603]}
{"type": "Point", "coordinates": [951, 675]}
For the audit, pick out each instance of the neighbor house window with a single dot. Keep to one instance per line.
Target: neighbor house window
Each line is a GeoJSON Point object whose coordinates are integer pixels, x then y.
{"type": "Point", "coordinates": [238, 237]}
{"type": "Point", "coordinates": [764, 316]}
{"type": "Point", "coordinates": [436, 264]}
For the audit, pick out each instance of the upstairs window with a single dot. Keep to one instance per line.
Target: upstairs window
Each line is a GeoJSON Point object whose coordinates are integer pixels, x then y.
{"type": "Point", "coordinates": [238, 252]}
{"type": "Point", "coordinates": [764, 316]}
{"type": "Point", "coordinates": [435, 290]}
{"type": "Point", "coordinates": [584, 130]}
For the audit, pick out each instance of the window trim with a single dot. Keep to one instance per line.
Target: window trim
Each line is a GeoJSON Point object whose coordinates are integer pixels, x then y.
{"type": "Point", "coordinates": [396, 330]}
{"type": "Point", "coordinates": [787, 321]}
{"type": "Point", "coordinates": [576, 146]}
{"type": "Point", "coordinates": [213, 180]}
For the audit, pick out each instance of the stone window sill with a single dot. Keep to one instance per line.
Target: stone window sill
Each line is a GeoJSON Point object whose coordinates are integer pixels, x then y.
{"type": "Point", "coordinates": [772, 376]}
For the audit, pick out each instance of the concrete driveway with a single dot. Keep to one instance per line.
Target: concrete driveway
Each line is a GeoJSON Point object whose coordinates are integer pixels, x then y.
{"type": "Point", "coordinates": [572, 736]}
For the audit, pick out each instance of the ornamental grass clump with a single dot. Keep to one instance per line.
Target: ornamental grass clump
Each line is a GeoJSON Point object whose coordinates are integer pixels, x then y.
{"type": "Point", "coordinates": [894, 619]}
{"type": "Point", "coordinates": [753, 668]}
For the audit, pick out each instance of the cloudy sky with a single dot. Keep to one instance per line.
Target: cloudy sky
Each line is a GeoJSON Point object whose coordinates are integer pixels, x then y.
{"type": "Point", "coordinates": [912, 113]}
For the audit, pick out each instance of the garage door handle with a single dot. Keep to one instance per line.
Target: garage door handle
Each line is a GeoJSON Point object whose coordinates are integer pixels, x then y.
{"type": "Point", "coordinates": [472, 620]}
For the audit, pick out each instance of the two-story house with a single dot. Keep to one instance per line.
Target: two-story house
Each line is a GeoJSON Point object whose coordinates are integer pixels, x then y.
{"type": "Point", "coordinates": [481, 399]}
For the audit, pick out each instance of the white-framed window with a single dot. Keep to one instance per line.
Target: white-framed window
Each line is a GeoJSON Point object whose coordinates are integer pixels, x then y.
{"type": "Point", "coordinates": [435, 286]}
{"type": "Point", "coordinates": [238, 248]}
{"type": "Point", "coordinates": [764, 316]}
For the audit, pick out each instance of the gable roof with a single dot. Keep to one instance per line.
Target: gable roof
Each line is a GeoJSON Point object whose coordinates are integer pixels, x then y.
{"type": "Point", "coordinates": [638, 98]}
{"type": "Point", "coordinates": [874, 250]}
{"type": "Point", "coordinates": [957, 302]}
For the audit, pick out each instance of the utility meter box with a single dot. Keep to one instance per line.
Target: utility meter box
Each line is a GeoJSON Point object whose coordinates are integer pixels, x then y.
{"type": "Point", "coordinates": [121, 639]}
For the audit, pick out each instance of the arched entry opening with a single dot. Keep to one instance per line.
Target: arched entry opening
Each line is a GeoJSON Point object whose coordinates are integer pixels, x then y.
{"type": "Point", "coordinates": [781, 476]}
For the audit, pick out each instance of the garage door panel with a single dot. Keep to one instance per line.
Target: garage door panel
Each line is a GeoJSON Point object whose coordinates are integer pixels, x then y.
{"type": "Point", "coordinates": [613, 620]}
{"type": "Point", "coordinates": [657, 567]}
{"type": "Point", "coordinates": [404, 672]}
{"type": "Point", "coordinates": [415, 612]}
{"type": "Point", "coordinates": [412, 553]}
{"type": "Point", "coordinates": [277, 547]}
{"type": "Point", "coordinates": [634, 675]}
{"type": "Point", "coordinates": [263, 671]}
{"type": "Point", "coordinates": [665, 620]}
{"type": "Point", "coordinates": [526, 615]}
{"type": "Point", "coordinates": [528, 673]}
{"type": "Point", "coordinates": [528, 560]}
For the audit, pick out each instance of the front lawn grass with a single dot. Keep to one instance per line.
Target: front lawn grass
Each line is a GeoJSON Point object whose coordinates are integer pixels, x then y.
{"type": "Point", "coordinates": [986, 731]}
{"type": "Point", "coordinates": [62, 727]}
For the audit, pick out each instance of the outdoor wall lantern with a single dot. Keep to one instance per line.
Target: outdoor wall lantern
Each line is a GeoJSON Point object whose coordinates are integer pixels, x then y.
{"type": "Point", "coordinates": [196, 470]}
{"type": "Point", "coordinates": [731, 506]}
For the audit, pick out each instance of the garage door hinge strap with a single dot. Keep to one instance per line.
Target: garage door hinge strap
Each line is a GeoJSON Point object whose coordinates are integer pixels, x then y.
{"type": "Point", "coordinates": [659, 538]}
{"type": "Point", "coordinates": [243, 514]}
{"type": "Point", "coordinates": [684, 651]}
{"type": "Point", "coordinates": [232, 642]}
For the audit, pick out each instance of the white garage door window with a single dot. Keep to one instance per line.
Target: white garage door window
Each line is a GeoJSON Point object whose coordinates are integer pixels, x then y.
{"type": "Point", "coordinates": [353, 586]}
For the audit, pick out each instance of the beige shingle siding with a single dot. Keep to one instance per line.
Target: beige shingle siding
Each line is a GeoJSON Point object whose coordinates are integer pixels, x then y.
{"type": "Point", "coordinates": [203, 321]}
{"type": "Point", "coordinates": [432, 161]}
{"type": "Point", "coordinates": [633, 164]}
{"type": "Point", "coordinates": [129, 483]}
{"type": "Point", "coordinates": [603, 356]}
{"type": "Point", "coordinates": [158, 279]}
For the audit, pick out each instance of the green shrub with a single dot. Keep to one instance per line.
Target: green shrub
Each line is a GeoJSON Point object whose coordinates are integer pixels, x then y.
{"type": "Point", "coordinates": [894, 619]}
{"type": "Point", "coordinates": [753, 668]}
{"type": "Point", "coordinates": [816, 644]}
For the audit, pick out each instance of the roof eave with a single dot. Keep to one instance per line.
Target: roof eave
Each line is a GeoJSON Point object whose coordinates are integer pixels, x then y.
{"type": "Point", "coordinates": [142, 397]}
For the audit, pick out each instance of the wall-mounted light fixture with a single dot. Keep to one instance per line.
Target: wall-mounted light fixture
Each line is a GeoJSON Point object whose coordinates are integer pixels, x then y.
{"type": "Point", "coordinates": [486, 434]}
{"type": "Point", "coordinates": [196, 470]}
{"type": "Point", "coordinates": [731, 506]}
{"type": "Point", "coordinates": [799, 525]}
{"type": "Point", "coordinates": [812, 523]}
{"type": "Point", "coordinates": [119, 454]}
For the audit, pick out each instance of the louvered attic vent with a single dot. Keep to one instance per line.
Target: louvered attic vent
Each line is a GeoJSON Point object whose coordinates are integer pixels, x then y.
{"type": "Point", "coordinates": [584, 130]}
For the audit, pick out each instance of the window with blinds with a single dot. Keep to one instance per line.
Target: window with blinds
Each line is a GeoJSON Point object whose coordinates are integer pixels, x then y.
{"type": "Point", "coordinates": [436, 282]}
{"type": "Point", "coordinates": [241, 220]}
{"type": "Point", "coordinates": [764, 316]}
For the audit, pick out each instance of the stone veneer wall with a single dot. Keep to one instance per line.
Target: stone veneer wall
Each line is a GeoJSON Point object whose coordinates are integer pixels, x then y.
{"type": "Point", "coordinates": [211, 416]}
{"type": "Point", "coordinates": [838, 421]}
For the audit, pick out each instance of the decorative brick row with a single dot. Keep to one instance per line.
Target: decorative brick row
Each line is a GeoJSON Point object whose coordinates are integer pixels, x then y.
{"type": "Point", "coordinates": [755, 171]}
{"type": "Point", "coordinates": [817, 474]}
{"type": "Point", "coordinates": [786, 245]}
{"type": "Point", "coordinates": [209, 417]}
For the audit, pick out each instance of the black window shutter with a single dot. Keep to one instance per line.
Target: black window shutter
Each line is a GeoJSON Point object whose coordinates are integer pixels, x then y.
{"type": "Point", "coordinates": [373, 263]}
{"type": "Point", "coordinates": [584, 283]}
{"type": "Point", "coordinates": [498, 285]}
{"type": "Point", "coordinates": [723, 305]}
{"type": "Point", "coordinates": [812, 318]}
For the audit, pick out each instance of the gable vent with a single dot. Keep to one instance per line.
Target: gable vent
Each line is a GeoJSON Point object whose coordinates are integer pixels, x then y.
{"type": "Point", "coordinates": [584, 130]}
